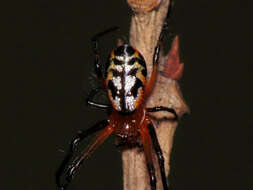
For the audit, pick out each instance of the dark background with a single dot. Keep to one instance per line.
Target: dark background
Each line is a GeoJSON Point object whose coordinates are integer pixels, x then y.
{"type": "Point", "coordinates": [48, 49]}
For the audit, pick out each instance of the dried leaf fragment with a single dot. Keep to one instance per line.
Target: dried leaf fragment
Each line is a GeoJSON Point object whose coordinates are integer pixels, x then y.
{"type": "Point", "coordinates": [173, 68]}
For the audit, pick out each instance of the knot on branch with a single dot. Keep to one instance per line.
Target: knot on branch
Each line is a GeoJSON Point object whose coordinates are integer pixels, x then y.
{"type": "Point", "coordinates": [143, 5]}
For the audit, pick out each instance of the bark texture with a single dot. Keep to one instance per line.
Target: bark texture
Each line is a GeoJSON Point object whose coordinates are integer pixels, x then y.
{"type": "Point", "coordinates": [146, 24]}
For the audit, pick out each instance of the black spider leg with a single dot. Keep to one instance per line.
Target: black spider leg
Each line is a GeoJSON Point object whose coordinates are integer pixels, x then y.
{"type": "Point", "coordinates": [151, 171]}
{"type": "Point", "coordinates": [65, 165]}
{"type": "Point", "coordinates": [97, 63]}
{"type": "Point", "coordinates": [165, 26]}
{"type": "Point", "coordinates": [162, 108]}
{"type": "Point", "coordinates": [157, 52]}
{"type": "Point", "coordinates": [98, 69]}
{"type": "Point", "coordinates": [162, 34]}
{"type": "Point", "coordinates": [156, 55]}
{"type": "Point", "coordinates": [167, 19]}
{"type": "Point", "coordinates": [90, 101]}
{"type": "Point", "coordinates": [159, 155]}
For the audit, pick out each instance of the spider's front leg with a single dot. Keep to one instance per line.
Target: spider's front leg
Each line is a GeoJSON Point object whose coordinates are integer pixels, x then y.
{"type": "Point", "coordinates": [156, 55]}
{"type": "Point", "coordinates": [68, 168]}
{"type": "Point", "coordinates": [98, 69]}
{"type": "Point", "coordinates": [95, 48]}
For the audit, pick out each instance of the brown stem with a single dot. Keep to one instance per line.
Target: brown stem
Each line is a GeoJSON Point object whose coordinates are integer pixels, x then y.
{"type": "Point", "coordinates": [147, 20]}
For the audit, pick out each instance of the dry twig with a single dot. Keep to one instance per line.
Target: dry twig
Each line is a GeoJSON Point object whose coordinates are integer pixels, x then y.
{"type": "Point", "coordinates": [147, 20]}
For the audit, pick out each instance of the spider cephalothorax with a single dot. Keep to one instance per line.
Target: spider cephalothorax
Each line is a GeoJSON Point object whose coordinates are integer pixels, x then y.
{"type": "Point", "coordinates": [127, 88]}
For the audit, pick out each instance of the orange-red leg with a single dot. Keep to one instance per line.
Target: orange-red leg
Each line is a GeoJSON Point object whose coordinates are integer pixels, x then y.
{"type": "Point", "coordinates": [147, 146]}
{"type": "Point", "coordinates": [150, 141]}
{"type": "Point", "coordinates": [98, 140]}
{"type": "Point", "coordinates": [61, 171]}
{"type": "Point", "coordinates": [77, 162]}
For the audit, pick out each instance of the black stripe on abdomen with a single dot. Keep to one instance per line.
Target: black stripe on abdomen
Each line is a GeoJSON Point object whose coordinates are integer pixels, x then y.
{"type": "Point", "coordinates": [138, 84]}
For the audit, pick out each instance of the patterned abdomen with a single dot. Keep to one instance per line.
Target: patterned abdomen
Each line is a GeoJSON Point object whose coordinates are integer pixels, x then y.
{"type": "Point", "coordinates": [125, 78]}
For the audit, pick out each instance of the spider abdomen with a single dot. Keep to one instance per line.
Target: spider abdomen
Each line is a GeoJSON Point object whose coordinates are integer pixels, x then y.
{"type": "Point", "coordinates": [125, 78]}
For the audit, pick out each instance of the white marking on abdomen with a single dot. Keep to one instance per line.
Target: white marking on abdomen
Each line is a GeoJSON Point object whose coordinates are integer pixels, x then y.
{"type": "Point", "coordinates": [117, 103]}
{"type": "Point", "coordinates": [130, 101]}
{"type": "Point", "coordinates": [119, 68]}
{"type": "Point", "coordinates": [117, 82]}
{"type": "Point", "coordinates": [129, 83]}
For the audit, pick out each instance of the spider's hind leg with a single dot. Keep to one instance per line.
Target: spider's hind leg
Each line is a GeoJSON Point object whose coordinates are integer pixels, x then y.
{"type": "Point", "coordinates": [159, 154]}
{"type": "Point", "coordinates": [147, 147]}
{"type": "Point", "coordinates": [149, 140]}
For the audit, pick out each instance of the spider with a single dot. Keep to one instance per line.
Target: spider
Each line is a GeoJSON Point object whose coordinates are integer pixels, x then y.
{"type": "Point", "coordinates": [125, 81]}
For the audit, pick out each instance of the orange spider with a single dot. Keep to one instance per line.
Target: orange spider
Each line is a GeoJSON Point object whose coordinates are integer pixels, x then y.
{"type": "Point", "coordinates": [127, 88]}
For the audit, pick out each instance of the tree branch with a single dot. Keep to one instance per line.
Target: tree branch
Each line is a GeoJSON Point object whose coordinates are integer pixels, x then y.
{"type": "Point", "coordinates": [146, 24]}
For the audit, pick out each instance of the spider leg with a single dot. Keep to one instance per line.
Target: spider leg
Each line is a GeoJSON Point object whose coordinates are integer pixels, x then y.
{"type": "Point", "coordinates": [90, 102]}
{"type": "Point", "coordinates": [154, 71]}
{"type": "Point", "coordinates": [72, 149]}
{"type": "Point", "coordinates": [159, 154]}
{"type": "Point", "coordinates": [98, 140]}
{"type": "Point", "coordinates": [155, 62]}
{"type": "Point", "coordinates": [162, 108]}
{"type": "Point", "coordinates": [97, 63]}
{"type": "Point", "coordinates": [147, 146]}
{"type": "Point", "coordinates": [157, 52]}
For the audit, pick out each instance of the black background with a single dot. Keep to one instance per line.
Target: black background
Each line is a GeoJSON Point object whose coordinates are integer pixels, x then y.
{"type": "Point", "coordinates": [48, 50]}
